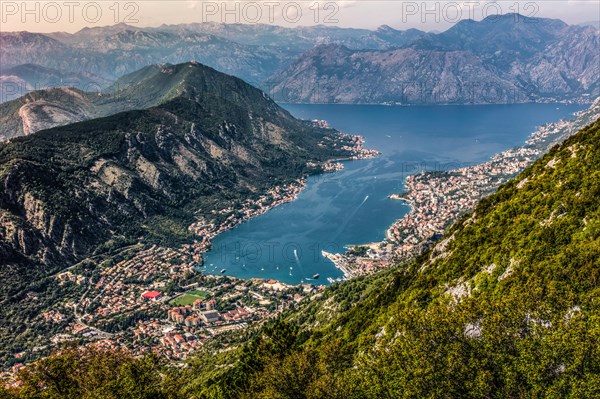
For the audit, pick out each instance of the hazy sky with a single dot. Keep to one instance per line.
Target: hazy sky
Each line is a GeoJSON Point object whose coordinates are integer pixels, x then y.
{"type": "Point", "coordinates": [71, 15]}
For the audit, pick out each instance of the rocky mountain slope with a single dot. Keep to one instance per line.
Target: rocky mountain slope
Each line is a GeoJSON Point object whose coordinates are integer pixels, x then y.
{"type": "Point", "coordinates": [212, 138]}
{"type": "Point", "coordinates": [506, 59]}
{"type": "Point", "coordinates": [44, 109]}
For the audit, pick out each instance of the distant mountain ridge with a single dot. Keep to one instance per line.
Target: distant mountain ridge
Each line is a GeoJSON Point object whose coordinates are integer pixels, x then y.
{"type": "Point", "coordinates": [264, 34]}
{"type": "Point", "coordinates": [114, 54]}
{"type": "Point", "coordinates": [251, 52]}
{"type": "Point", "coordinates": [502, 59]}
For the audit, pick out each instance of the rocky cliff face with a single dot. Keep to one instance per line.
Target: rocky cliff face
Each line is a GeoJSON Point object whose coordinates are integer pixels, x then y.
{"type": "Point", "coordinates": [332, 74]}
{"type": "Point", "coordinates": [44, 109]}
{"type": "Point", "coordinates": [512, 59]}
{"type": "Point", "coordinates": [570, 65]}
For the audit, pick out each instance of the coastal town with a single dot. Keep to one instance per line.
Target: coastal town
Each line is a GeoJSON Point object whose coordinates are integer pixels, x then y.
{"type": "Point", "coordinates": [353, 145]}
{"type": "Point", "coordinates": [176, 321]}
{"type": "Point", "coordinates": [438, 198]}
{"type": "Point", "coordinates": [165, 300]}
{"type": "Point", "coordinates": [229, 217]}
{"type": "Point", "coordinates": [159, 300]}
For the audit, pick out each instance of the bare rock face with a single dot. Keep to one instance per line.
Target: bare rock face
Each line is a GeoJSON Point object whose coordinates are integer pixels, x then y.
{"type": "Point", "coordinates": [333, 75]}
{"type": "Point", "coordinates": [44, 109]}
{"type": "Point", "coordinates": [571, 65]}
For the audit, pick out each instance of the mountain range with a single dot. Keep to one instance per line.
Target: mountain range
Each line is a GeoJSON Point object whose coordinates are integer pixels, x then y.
{"type": "Point", "coordinates": [507, 59]}
{"type": "Point", "coordinates": [251, 52]}
{"type": "Point", "coordinates": [501, 59]}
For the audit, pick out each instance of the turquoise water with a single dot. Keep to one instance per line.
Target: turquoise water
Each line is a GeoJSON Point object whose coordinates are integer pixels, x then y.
{"type": "Point", "coordinates": [351, 206]}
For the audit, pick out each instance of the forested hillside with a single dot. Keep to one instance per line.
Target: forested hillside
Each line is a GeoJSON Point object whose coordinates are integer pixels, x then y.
{"type": "Point", "coordinates": [505, 306]}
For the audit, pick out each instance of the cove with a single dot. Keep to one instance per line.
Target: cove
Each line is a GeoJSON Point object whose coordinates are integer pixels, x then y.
{"type": "Point", "coordinates": [352, 206]}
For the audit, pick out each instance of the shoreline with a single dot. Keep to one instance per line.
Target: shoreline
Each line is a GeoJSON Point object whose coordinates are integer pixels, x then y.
{"type": "Point", "coordinates": [581, 101]}
{"type": "Point", "coordinates": [279, 194]}
{"type": "Point", "coordinates": [438, 198]}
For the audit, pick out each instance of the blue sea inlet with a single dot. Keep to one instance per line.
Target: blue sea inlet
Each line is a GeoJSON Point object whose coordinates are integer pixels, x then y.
{"type": "Point", "coordinates": [352, 206]}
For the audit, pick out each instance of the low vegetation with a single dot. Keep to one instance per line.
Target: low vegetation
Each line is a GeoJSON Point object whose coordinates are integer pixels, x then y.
{"type": "Point", "coordinates": [189, 298]}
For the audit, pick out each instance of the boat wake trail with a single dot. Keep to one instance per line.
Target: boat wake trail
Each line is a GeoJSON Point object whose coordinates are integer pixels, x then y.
{"type": "Point", "coordinates": [298, 263]}
{"type": "Point", "coordinates": [362, 203]}
{"type": "Point", "coordinates": [343, 226]}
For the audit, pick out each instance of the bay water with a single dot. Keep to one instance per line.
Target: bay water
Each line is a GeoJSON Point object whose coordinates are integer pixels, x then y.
{"type": "Point", "coordinates": [352, 206]}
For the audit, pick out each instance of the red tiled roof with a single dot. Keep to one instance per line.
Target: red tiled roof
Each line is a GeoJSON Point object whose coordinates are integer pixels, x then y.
{"type": "Point", "coordinates": [151, 294]}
